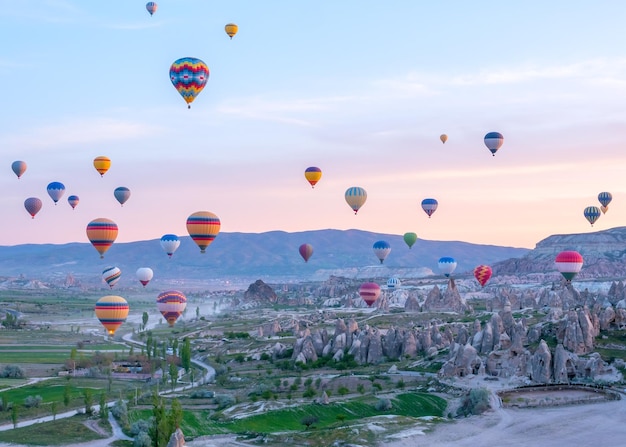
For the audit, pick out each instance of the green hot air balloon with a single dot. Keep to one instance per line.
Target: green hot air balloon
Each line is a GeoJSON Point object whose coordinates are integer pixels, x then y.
{"type": "Point", "coordinates": [410, 239]}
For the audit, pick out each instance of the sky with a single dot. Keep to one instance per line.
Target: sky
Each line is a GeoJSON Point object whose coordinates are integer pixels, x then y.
{"type": "Point", "coordinates": [362, 89]}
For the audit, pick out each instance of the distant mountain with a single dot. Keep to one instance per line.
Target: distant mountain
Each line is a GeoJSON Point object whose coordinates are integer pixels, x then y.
{"type": "Point", "coordinates": [269, 256]}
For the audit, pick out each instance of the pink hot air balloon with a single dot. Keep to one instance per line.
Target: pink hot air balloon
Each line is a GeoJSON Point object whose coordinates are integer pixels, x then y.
{"type": "Point", "coordinates": [569, 264]}
{"type": "Point", "coordinates": [32, 205]}
{"type": "Point", "coordinates": [306, 250]}
{"type": "Point", "coordinates": [369, 291]}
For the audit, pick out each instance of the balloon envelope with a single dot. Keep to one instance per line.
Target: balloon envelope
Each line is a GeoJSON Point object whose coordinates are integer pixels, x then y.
{"type": "Point", "coordinates": [605, 198]}
{"type": "Point", "coordinates": [102, 233]}
{"type": "Point", "coordinates": [32, 205]}
{"type": "Point", "coordinates": [446, 265]}
{"type": "Point", "coordinates": [569, 264]}
{"type": "Point", "coordinates": [231, 29]}
{"type": "Point", "coordinates": [381, 250]}
{"type": "Point", "coordinates": [493, 141]}
{"type": "Point", "coordinates": [151, 7]}
{"type": "Point", "coordinates": [171, 304]}
{"type": "Point", "coordinates": [73, 201]}
{"type": "Point", "coordinates": [443, 138]}
{"type": "Point", "coordinates": [102, 164]}
{"type": "Point", "coordinates": [203, 227]}
{"type": "Point", "coordinates": [429, 206]}
{"type": "Point", "coordinates": [170, 243]}
{"type": "Point", "coordinates": [189, 75]}
{"type": "Point", "coordinates": [355, 197]}
{"type": "Point", "coordinates": [592, 213]}
{"type": "Point", "coordinates": [482, 273]}
{"type": "Point", "coordinates": [122, 194]}
{"type": "Point", "coordinates": [410, 239]}
{"type": "Point", "coordinates": [393, 283]}
{"type": "Point", "coordinates": [306, 250]}
{"type": "Point", "coordinates": [144, 275]}
{"type": "Point", "coordinates": [313, 175]}
{"type": "Point", "coordinates": [55, 191]}
{"type": "Point", "coordinates": [19, 167]}
{"type": "Point", "coordinates": [369, 291]}
{"type": "Point", "coordinates": [111, 275]}
{"type": "Point", "coordinates": [112, 311]}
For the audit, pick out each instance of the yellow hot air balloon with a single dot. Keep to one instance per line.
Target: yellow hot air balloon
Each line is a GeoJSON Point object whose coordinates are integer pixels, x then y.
{"type": "Point", "coordinates": [102, 233]}
{"type": "Point", "coordinates": [102, 164]}
{"type": "Point", "coordinates": [203, 226]}
{"type": "Point", "coordinates": [112, 311]}
{"type": "Point", "coordinates": [313, 174]}
{"type": "Point", "coordinates": [443, 137]}
{"type": "Point", "coordinates": [231, 29]}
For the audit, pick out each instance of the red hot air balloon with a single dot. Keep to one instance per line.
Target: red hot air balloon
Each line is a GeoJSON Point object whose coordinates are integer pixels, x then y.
{"type": "Point", "coordinates": [369, 291]}
{"type": "Point", "coordinates": [482, 273]}
{"type": "Point", "coordinates": [306, 250]}
{"type": "Point", "coordinates": [569, 264]}
{"type": "Point", "coordinates": [171, 304]}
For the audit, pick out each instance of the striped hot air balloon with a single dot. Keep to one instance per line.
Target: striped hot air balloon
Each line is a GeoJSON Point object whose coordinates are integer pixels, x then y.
{"type": "Point", "coordinates": [102, 164]}
{"type": "Point", "coordinates": [592, 213]}
{"type": "Point", "coordinates": [171, 304]}
{"type": "Point", "coordinates": [151, 7]}
{"type": "Point", "coordinates": [569, 264]}
{"type": "Point", "coordinates": [429, 206]}
{"type": "Point", "coordinates": [111, 275]}
{"type": "Point", "coordinates": [73, 201]}
{"type": "Point", "coordinates": [189, 75]}
{"type": "Point", "coordinates": [482, 273]}
{"type": "Point", "coordinates": [494, 141]}
{"type": "Point", "coordinates": [369, 291]}
{"type": "Point", "coordinates": [203, 227]}
{"type": "Point", "coordinates": [112, 311]}
{"type": "Point", "coordinates": [393, 283]}
{"type": "Point", "coordinates": [313, 174]}
{"type": "Point", "coordinates": [231, 29]}
{"type": "Point", "coordinates": [306, 251]}
{"type": "Point", "coordinates": [355, 197]}
{"type": "Point", "coordinates": [102, 233]}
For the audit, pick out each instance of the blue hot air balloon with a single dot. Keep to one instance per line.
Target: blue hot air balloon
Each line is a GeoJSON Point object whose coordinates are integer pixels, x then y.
{"type": "Point", "coordinates": [170, 243]}
{"type": "Point", "coordinates": [429, 206]}
{"type": "Point", "coordinates": [592, 213]}
{"type": "Point", "coordinates": [447, 265]}
{"type": "Point", "coordinates": [381, 250]}
{"type": "Point", "coordinates": [122, 194]}
{"type": "Point", "coordinates": [56, 191]}
{"type": "Point", "coordinates": [393, 283]}
{"type": "Point", "coordinates": [493, 141]}
{"type": "Point", "coordinates": [73, 201]}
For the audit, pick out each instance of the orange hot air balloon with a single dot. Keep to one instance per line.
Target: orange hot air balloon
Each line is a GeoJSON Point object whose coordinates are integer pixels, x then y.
{"type": "Point", "coordinates": [369, 291]}
{"type": "Point", "coordinates": [171, 304]}
{"type": "Point", "coordinates": [102, 233]}
{"type": "Point", "coordinates": [112, 311]}
{"type": "Point", "coordinates": [482, 273]}
{"type": "Point", "coordinates": [313, 175]}
{"type": "Point", "coordinates": [203, 226]}
{"type": "Point", "coordinates": [443, 137]}
{"type": "Point", "coordinates": [102, 164]}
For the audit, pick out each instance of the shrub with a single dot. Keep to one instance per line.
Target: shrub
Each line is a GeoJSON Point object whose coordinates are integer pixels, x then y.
{"type": "Point", "coordinates": [224, 400]}
{"type": "Point", "coordinates": [140, 426]}
{"type": "Point", "coordinates": [12, 372]}
{"type": "Point", "coordinates": [310, 392]}
{"type": "Point", "coordinates": [475, 402]}
{"type": "Point", "coordinates": [383, 405]}
{"type": "Point", "coordinates": [142, 440]}
{"type": "Point", "coordinates": [32, 401]}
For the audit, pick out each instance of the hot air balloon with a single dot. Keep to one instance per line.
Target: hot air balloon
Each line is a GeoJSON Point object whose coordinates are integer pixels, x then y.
{"type": "Point", "coordinates": [151, 7]}
{"type": "Point", "coordinates": [369, 291]}
{"type": "Point", "coordinates": [170, 243]}
{"type": "Point", "coordinates": [592, 213]}
{"type": "Point", "coordinates": [32, 205]}
{"type": "Point", "coordinates": [446, 265]}
{"type": "Point", "coordinates": [19, 167]}
{"type": "Point", "coordinates": [144, 275]}
{"type": "Point", "coordinates": [122, 194]}
{"type": "Point", "coordinates": [393, 283]}
{"type": "Point", "coordinates": [171, 304]}
{"type": "Point", "coordinates": [381, 250]}
{"type": "Point", "coordinates": [73, 201]}
{"type": "Point", "coordinates": [189, 76]}
{"type": "Point", "coordinates": [443, 137]}
{"type": "Point", "coordinates": [231, 29]}
{"type": "Point", "coordinates": [482, 273]}
{"type": "Point", "coordinates": [356, 197]}
{"type": "Point", "coordinates": [102, 164]}
{"type": "Point", "coordinates": [203, 226]}
{"type": "Point", "coordinates": [410, 239]}
{"type": "Point", "coordinates": [111, 275]}
{"type": "Point", "coordinates": [112, 311]}
{"type": "Point", "coordinates": [102, 233]}
{"type": "Point", "coordinates": [569, 264]}
{"type": "Point", "coordinates": [493, 141]}
{"type": "Point", "coordinates": [605, 198]}
{"type": "Point", "coordinates": [56, 191]}
{"type": "Point", "coordinates": [306, 250]}
{"type": "Point", "coordinates": [313, 175]}
{"type": "Point", "coordinates": [429, 206]}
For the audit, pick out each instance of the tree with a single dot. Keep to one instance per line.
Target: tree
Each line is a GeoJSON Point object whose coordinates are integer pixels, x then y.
{"type": "Point", "coordinates": [104, 409]}
{"type": "Point", "coordinates": [144, 319]}
{"type": "Point", "coordinates": [159, 432]}
{"type": "Point", "coordinates": [54, 408]}
{"type": "Point", "coordinates": [88, 399]}
{"type": "Point", "coordinates": [198, 312]}
{"type": "Point", "coordinates": [475, 402]}
{"type": "Point", "coordinates": [67, 395]}
{"type": "Point", "coordinates": [175, 415]}
{"type": "Point", "coordinates": [308, 421]}
{"type": "Point", "coordinates": [173, 370]}
{"type": "Point", "coordinates": [14, 415]}
{"type": "Point", "coordinates": [12, 372]}
{"type": "Point", "coordinates": [185, 354]}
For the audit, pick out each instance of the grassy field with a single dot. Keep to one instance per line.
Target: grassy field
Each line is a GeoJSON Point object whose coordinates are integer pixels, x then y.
{"type": "Point", "coordinates": [62, 432]}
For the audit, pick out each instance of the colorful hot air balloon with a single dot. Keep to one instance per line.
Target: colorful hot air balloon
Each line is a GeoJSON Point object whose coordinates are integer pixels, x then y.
{"type": "Point", "coordinates": [102, 233]}
{"type": "Point", "coordinates": [189, 76]}
{"type": "Point", "coordinates": [306, 250]}
{"type": "Point", "coordinates": [482, 273]}
{"type": "Point", "coordinates": [569, 264]}
{"type": "Point", "coordinates": [55, 191]}
{"type": "Point", "coordinates": [313, 175]}
{"type": "Point", "coordinates": [102, 164]}
{"type": "Point", "coordinates": [19, 168]}
{"type": "Point", "coordinates": [410, 239]}
{"type": "Point", "coordinates": [144, 275]}
{"type": "Point", "coordinates": [592, 213]}
{"type": "Point", "coordinates": [381, 250]}
{"type": "Point", "coordinates": [32, 205]}
{"type": "Point", "coordinates": [112, 311]}
{"type": "Point", "coordinates": [231, 29]}
{"type": "Point", "coordinates": [111, 275]}
{"type": "Point", "coordinates": [369, 291]}
{"type": "Point", "coordinates": [443, 137]}
{"type": "Point", "coordinates": [446, 265]}
{"type": "Point", "coordinates": [429, 206]}
{"type": "Point", "coordinates": [203, 226]}
{"type": "Point", "coordinates": [73, 201]}
{"type": "Point", "coordinates": [605, 198]}
{"type": "Point", "coordinates": [151, 7]}
{"type": "Point", "coordinates": [393, 283]}
{"type": "Point", "coordinates": [122, 194]}
{"type": "Point", "coordinates": [493, 141]}
{"type": "Point", "coordinates": [171, 304]}
{"type": "Point", "coordinates": [356, 197]}
{"type": "Point", "coordinates": [170, 243]}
